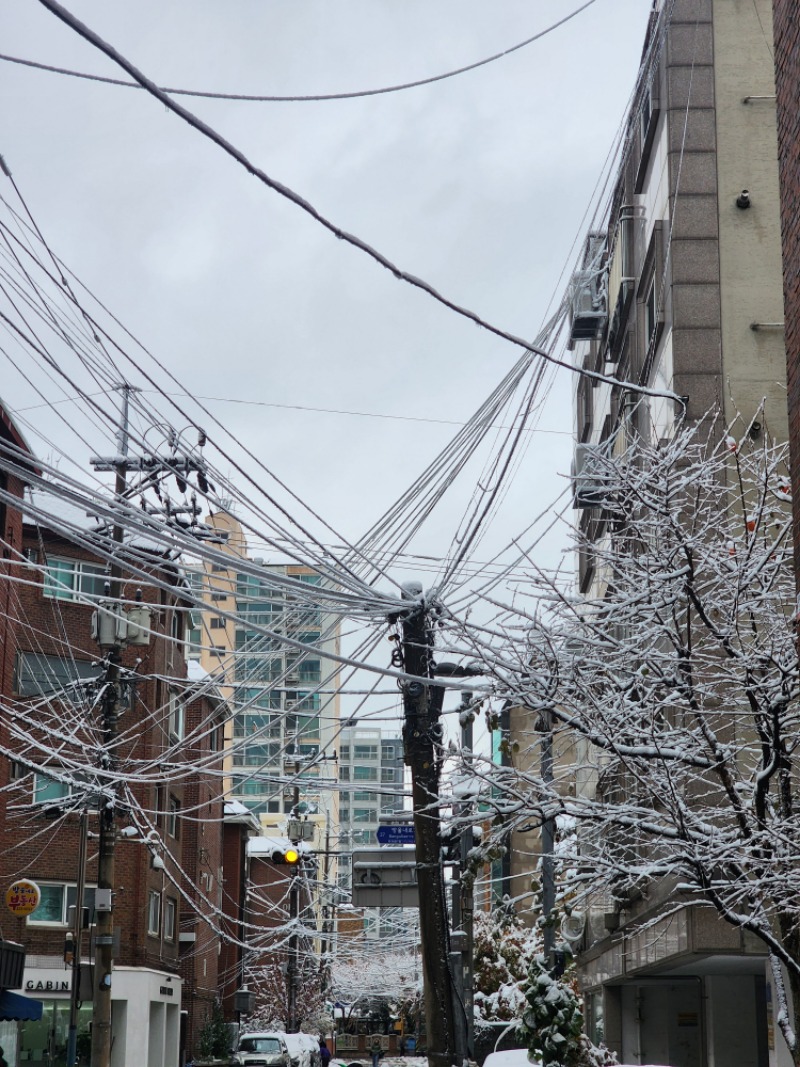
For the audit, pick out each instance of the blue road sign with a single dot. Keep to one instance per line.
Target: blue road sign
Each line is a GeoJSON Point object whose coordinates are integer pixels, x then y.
{"type": "Point", "coordinates": [395, 834]}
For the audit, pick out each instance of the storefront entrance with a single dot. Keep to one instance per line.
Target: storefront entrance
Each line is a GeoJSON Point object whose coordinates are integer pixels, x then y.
{"type": "Point", "coordinates": [45, 1042]}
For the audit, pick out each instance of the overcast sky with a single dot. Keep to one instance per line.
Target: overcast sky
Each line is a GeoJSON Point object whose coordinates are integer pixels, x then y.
{"type": "Point", "coordinates": [478, 183]}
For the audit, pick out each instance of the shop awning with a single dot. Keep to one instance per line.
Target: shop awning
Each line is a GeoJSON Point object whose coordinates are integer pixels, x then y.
{"type": "Point", "coordinates": [15, 1007]}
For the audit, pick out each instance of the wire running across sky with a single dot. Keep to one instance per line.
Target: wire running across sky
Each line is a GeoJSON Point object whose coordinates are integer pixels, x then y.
{"type": "Point", "coordinates": [307, 98]}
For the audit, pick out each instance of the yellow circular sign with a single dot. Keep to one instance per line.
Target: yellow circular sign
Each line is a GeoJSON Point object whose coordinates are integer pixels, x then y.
{"type": "Point", "coordinates": [23, 897]}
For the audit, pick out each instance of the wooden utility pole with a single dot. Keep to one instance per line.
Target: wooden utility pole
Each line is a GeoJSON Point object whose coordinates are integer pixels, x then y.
{"type": "Point", "coordinates": [421, 738]}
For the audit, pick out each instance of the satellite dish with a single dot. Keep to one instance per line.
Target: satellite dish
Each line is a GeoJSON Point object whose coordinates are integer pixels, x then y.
{"type": "Point", "coordinates": [572, 926]}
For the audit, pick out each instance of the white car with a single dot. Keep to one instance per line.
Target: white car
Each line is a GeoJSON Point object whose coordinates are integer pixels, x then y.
{"type": "Point", "coordinates": [511, 1057]}
{"type": "Point", "coordinates": [262, 1049]}
{"type": "Point", "coordinates": [304, 1049]}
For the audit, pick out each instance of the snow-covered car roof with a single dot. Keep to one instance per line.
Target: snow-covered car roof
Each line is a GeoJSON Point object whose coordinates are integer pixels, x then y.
{"type": "Point", "coordinates": [511, 1057]}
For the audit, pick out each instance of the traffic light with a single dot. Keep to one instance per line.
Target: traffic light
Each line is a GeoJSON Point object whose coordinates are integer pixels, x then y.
{"type": "Point", "coordinates": [286, 856]}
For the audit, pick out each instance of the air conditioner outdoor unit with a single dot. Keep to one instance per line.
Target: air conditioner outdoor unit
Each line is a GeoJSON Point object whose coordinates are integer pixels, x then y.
{"type": "Point", "coordinates": [590, 476]}
{"type": "Point", "coordinates": [589, 292]}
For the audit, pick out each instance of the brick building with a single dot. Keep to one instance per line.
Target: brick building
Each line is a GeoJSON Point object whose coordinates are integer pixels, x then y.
{"type": "Point", "coordinates": [168, 874]}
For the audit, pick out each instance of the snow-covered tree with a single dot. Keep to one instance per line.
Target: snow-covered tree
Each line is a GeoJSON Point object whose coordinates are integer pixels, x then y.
{"type": "Point", "coordinates": [670, 692]}
{"type": "Point", "coordinates": [504, 949]}
{"type": "Point", "coordinates": [552, 1022]}
{"type": "Point", "coordinates": [364, 978]}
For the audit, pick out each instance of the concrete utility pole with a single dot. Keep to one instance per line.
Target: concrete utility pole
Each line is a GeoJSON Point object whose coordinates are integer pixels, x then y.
{"type": "Point", "coordinates": [113, 632]}
{"type": "Point", "coordinates": [77, 944]}
{"type": "Point", "coordinates": [421, 737]}
{"type": "Point", "coordinates": [545, 727]}
{"type": "Point", "coordinates": [463, 906]}
{"type": "Point", "coordinates": [106, 884]}
{"type": "Point", "coordinates": [292, 1021]}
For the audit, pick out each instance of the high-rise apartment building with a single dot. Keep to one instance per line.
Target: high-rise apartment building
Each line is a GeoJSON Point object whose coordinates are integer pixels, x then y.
{"type": "Point", "coordinates": [371, 772]}
{"type": "Point", "coordinates": [678, 290]}
{"type": "Point", "coordinates": [267, 640]}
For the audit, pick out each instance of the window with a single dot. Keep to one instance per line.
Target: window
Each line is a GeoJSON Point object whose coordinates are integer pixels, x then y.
{"type": "Point", "coordinates": [219, 596]}
{"type": "Point", "coordinates": [170, 912]}
{"type": "Point", "coordinates": [37, 675]}
{"type": "Point", "coordinates": [176, 718]}
{"type": "Point", "coordinates": [50, 791]}
{"type": "Point", "coordinates": [650, 313]}
{"type": "Point", "coordinates": [218, 624]}
{"type": "Point", "coordinates": [73, 579]}
{"type": "Point", "coordinates": [218, 568]}
{"type": "Point", "coordinates": [172, 816]}
{"type": "Point", "coordinates": [361, 795]}
{"type": "Point", "coordinates": [218, 651]}
{"type": "Point", "coordinates": [47, 790]}
{"type": "Point", "coordinates": [310, 671]}
{"type": "Point", "coordinates": [58, 900]}
{"type": "Point", "coordinates": [365, 814]}
{"type": "Point", "coordinates": [388, 752]}
{"type": "Point", "coordinates": [365, 774]}
{"type": "Point", "coordinates": [154, 913]}
{"type": "Point", "coordinates": [387, 774]}
{"type": "Point", "coordinates": [344, 774]}
{"type": "Point", "coordinates": [651, 289]}
{"type": "Point", "coordinates": [344, 752]}
{"type": "Point", "coordinates": [344, 814]}
{"type": "Point", "coordinates": [365, 752]}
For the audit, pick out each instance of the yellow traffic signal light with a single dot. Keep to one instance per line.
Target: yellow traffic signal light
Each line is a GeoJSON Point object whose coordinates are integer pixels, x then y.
{"type": "Point", "coordinates": [288, 855]}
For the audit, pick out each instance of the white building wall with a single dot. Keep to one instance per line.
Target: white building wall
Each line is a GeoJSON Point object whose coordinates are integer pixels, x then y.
{"type": "Point", "coordinates": [145, 1011]}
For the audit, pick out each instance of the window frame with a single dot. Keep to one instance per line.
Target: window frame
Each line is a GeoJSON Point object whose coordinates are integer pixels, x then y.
{"type": "Point", "coordinates": [172, 820]}
{"type": "Point", "coordinates": [53, 589]}
{"type": "Point", "coordinates": [153, 913]}
{"type": "Point", "coordinates": [66, 921]}
{"type": "Point", "coordinates": [170, 917]}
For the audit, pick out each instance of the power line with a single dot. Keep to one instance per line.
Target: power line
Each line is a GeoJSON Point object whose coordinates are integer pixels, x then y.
{"type": "Point", "coordinates": [257, 99]}
{"type": "Point", "coordinates": [352, 239]}
{"type": "Point", "coordinates": [303, 407]}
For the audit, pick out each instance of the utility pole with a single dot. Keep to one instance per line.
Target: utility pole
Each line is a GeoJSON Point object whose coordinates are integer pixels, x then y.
{"type": "Point", "coordinates": [106, 884]}
{"type": "Point", "coordinates": [77, 944]}
{"type": "Point", "coordinates": [292, 1021]}
{"type": "Point", "coordinates": [466, 894]}
{"type": "Point", "coordinates": [421, 738]}
{"type": "Point", "coordinates": [545, 727]}
{"type": "Point", "coordinates": [113, 632]}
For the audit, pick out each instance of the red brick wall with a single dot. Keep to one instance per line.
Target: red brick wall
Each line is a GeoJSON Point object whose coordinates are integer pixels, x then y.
{"type": "Point", "coordinates": [787, 80]}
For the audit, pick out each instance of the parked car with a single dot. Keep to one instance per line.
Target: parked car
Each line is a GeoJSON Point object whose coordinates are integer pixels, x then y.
{"type": "Point", "coordinates": [262, 1049]}
{"type": "Point", "coordinates": [303, 1049]}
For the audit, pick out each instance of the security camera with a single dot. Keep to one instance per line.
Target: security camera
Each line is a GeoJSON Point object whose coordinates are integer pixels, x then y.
{"type": "Point", "coordinates": [743, 199]}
